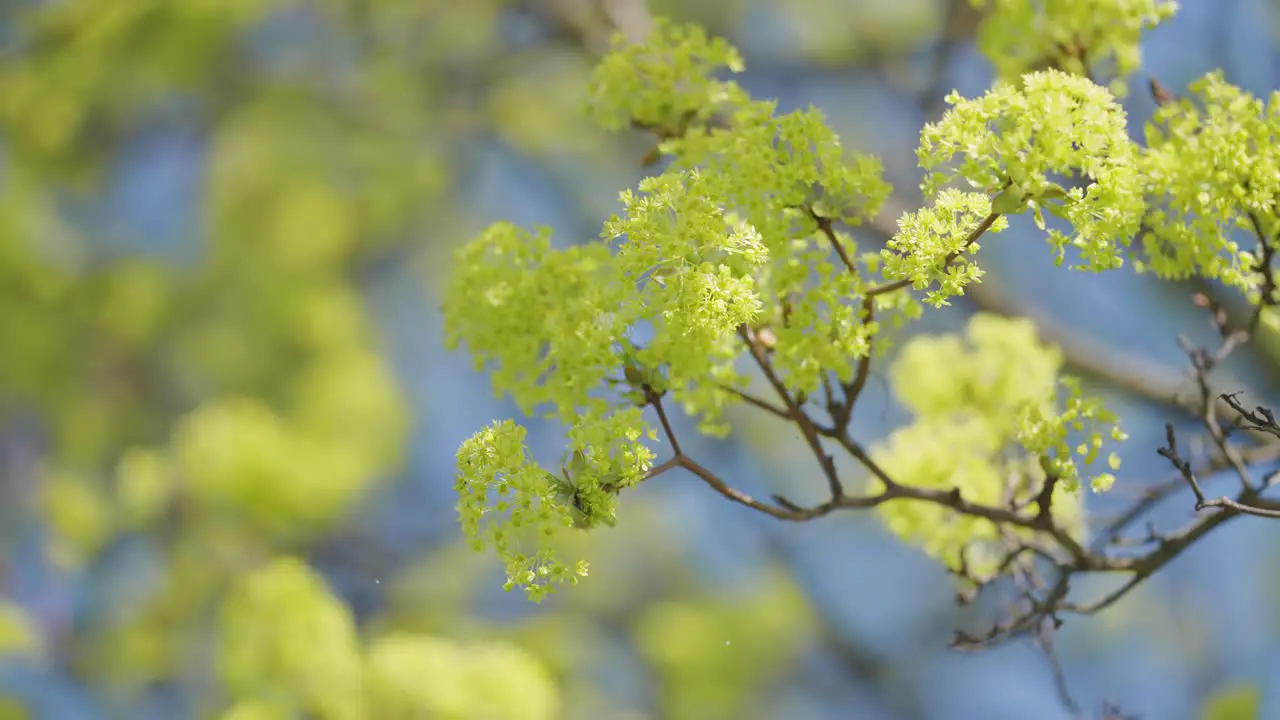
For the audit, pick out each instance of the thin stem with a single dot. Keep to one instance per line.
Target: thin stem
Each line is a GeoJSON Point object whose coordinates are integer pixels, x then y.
{"type": "Point", "coordinates": [720, 486]}
{"type": "Point", "coordinates": [798, 415]}
{"type": "Point", "coordinates": [1232, 505]}
{"type": "Point", "coordinates": [1266, 252]}
{"type": "Point", "coordinates": [758, 402]}
{"type": "Point", "coordinates": [827, 227]}
{"type": "Point", "coordinates": [656, 401]}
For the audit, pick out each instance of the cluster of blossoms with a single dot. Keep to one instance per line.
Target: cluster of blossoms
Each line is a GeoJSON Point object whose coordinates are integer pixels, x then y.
{"type": "Point", "coordinates": [742, 246]}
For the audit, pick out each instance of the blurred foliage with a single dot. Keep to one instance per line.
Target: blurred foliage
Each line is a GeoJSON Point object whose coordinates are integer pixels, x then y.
{"type": "Point", "coordinates": [227, 402]}
{"type": "Point", "coordinates": [11, 709]}
{"type": "Point", "coordinates": [16, 633]}
{"type": "Point", "coordinates": [705, 652]}
{"type": "Point", "coordinates": [237, 407]}
{"type": "Point", "coordinates": [872, 28]}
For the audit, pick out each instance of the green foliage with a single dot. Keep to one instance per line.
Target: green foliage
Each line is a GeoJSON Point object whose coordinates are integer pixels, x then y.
{"type": "Point", "coordinates": [1074, 35]}
{"type": "Point", "coordinates": [69, 81]}
{"type": "Point", "coordinates": [12, 709]}
{"type": "Point", "coordinates": [489, 679]}
{"type": "Point", "coordinates": [973, 402]}
{"type": "Point", "coordinates": [929, 241]}
{"type": "Point", "coordinates": [289, 646]}
{"type": "Point", "coordinates": [1013, 141]}
{"type": "Point", "coordinates": [706, 652]}
{"type": "Point", "coordinates": [17, 636]}
{"type": "Point", "coordinates": [259, 710]}
{"type": "Point", "coordinates": [232, 408]}
{"type": "Point", "coordinates": [740, 246]}
{"type": "Point", "coordinates": [264, 620]}
{"type": "Point", "coordinates": [664, 84]}
{"type": "Point", "coordinates": [738, 233]}
{"type": "Point", "coordinates": [1214, 167]}
{"type": "Point", "coordinates": [880, 30]}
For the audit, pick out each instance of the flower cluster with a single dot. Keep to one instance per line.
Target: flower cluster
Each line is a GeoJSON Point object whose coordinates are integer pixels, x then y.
{"type": "Point", "coordinates": [1077, 36]}
{"type": "Point", "coordinates": [742, 245]}
{"type": "Point", "coordinates": [1212, 168]}
{"type": "Point", "coordinates": [1016, 140]}
{"type": "Point", "coordinates": [988, 422]}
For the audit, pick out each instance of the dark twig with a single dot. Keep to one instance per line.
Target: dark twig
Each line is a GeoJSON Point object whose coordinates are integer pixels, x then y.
{"type": "Point", "coordinates": [1266, 253]}
{"type": "Point", "coordinates": [802, 419]}
{"type": "Point", "coordinates": [826, 225]}
{"type": "Point", "coordinates": [656, 401]}
{"type": "Point", "coordinates": [758, 402]}
{"type": "Point", "coordinates": [1170, 452]}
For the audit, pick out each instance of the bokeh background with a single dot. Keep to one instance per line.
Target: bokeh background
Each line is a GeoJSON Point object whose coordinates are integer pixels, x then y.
{"type": "Point", "coordinates": [228, 422]}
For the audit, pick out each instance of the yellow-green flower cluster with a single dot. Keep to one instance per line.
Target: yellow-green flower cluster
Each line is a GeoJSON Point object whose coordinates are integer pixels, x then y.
{"type": "Point", "coordinates": [930, 246]}
{"type": "Point", "coordinates": [1017, 138]}
{"type": "Point", "coordinates": [779, 173]}
{"type": "Point", "coordinates": [989, 422]}
{"type": "Point", "coordinates": [1076, 36]}
{"type": "Point", "coordinates": [1212, 168]}
{"type": "Point", "coordinates": [665, 82]}
{"type": "Point", "coordinates": [744, 235]}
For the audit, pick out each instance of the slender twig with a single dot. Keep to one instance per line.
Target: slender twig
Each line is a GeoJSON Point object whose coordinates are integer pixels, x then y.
{"type": "Point", "coordinates": [1151, 495]}
{"type": "Point", "coordinates": [1229, 504]}
{"type": "Point", "coordinates": [1203, 363]}
{"type": "Point", "coordinates": [762, 404]}
{"type": "Point", "coordinates": [656, 401]}
{"type": "Point", "coordinates": [1045, 641]}
{"type": "Point", "coordinates": [827, 227]}
{"type": "Point", "coordinates": [1170, 452]}
{"type": "Point", "coordinates": [1266, 253]}
{"type": "Point", "coordinates": [802, 420]}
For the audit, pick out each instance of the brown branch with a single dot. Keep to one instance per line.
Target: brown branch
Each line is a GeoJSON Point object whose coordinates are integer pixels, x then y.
{"type": "Point", "coordinates": [720, 486]}
{"type": "Point", "coordinates": [1236, 506]}
{"type": "Point", "coordinates": [656, 401]}
{"type": "Point", "coordinates": [826, 225]}
{"type": "Point", "coordinates": [1039, 607]}
{"type": "Point", "coordinates": [1154, 494]}
{"type": "Point", "coordinates": [1266, 252]}
{"type": "Point", "coordinates": [1044, 500]}
{"type": "Point", "coordinates": [798, 415]}
{"type": "Point", "coordinates": [1159, 93]}
{"type": "Point", "coordinates": [1168, 548]}
{"type": "Point", "coordinates": [758, 402]}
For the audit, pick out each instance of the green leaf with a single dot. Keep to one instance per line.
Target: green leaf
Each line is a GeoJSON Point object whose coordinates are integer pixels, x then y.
{"type": "Point", "coordinates": [1012, 201]}
{"type": "Point", "coordinates": [578, 465]}
{"type": "Point", "coordinates": [1054, 191]}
